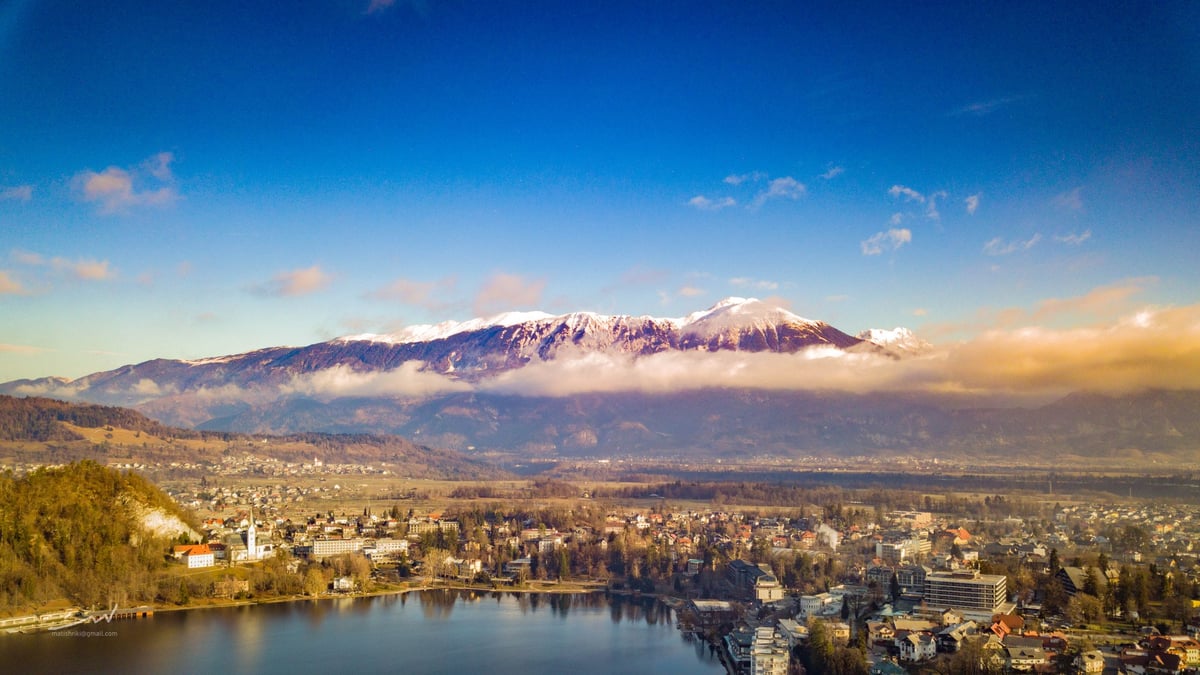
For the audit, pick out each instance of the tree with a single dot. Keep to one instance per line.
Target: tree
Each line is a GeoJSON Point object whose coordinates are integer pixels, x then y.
{"type": "Point", "coordinates": [894, 588]}
{"type": "Point", "coordinates": [973, 659]}
{"type": "Point", "coordinates": [1054, 564]}
{"type": "Point", "coordinates": [1091, 582]}
{"type": "Point", "coordinates": [820, 647]}
{"type": "Point", "coordinates": [1054, 598]}
{"type": "Point", "coordinates": [1085, 608]}
{"type": "Point", "coordinates": [314, 581]}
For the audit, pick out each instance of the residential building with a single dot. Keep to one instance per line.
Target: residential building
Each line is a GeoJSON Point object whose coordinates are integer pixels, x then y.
{"type": "Point", "coordinates": [951, 638]}
{"type": "Point", "coordinates": [1090, 662]}
{"type": "Point", "coordinates": [911, 520]}
{"type": "Point", "coordinates": [819, 605]}
{"type": "Point", "coordinates": [793, 632]}
{"type": "Point", "coordinates": [324, 548]}
{"type": "Point", "coordinates": [769, 654]}
{"type": "Point", "coordinates": [915, 647]}
{"type": "Point", "coordinates": [967, 591]}
{"type": "Point", "coordinates": [1075, 579]}
{"type": "Point", "coordinates": [710, 613]}
{"type": "Point", "coordinates": [196, 555]}
{"type": "Point", "coordinates": [739, 644]}
{"type": "Point", "coordinates": [1025, 654]}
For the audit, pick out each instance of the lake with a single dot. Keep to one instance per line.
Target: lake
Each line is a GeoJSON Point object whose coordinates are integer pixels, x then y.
{"type": "Point", "coordinates": [426, 632]}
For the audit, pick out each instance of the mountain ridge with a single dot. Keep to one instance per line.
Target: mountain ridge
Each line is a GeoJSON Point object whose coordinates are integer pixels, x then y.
{"type": "Point", "coordinates": [481, 349]}
{"type": "Point", "coordinates": [740, 378]}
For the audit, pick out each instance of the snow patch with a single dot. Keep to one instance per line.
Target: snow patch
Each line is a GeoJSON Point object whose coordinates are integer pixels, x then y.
{"type": "Point", "coordinates": [898, 340]}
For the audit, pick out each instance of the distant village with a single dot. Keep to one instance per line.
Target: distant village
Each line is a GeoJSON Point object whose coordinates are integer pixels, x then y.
{"type": "Point", "coordinates": [1082, 587]}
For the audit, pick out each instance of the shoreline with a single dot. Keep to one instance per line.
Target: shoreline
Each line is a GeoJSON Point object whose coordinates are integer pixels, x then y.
{"type": "Point", "coordinates": [568, 588]}
{"type": "Point", "coordinates": [544, 588]}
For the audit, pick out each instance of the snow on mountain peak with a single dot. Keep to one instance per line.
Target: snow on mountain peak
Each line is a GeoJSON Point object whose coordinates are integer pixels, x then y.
{"type": "Point", "coordinates": [445, 329]}
{"type": "Point", "coordinates": [734, 311]}
{"type": "Point", "coordinates": [729, 314]}
{"type": "Point", "coordinates": [897, 339]}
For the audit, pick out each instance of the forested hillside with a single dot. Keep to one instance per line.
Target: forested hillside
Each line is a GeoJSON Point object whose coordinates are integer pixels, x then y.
{"type": "Point", "coordinates": [75, 532]}
{"type": "Point", "coordinates": [46, 431]}
{"type": "Point", "coordinates": [38, 419]}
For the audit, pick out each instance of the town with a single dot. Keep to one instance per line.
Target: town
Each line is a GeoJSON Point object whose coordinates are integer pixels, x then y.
{"type": "Point", "coordinates": [799, 580]}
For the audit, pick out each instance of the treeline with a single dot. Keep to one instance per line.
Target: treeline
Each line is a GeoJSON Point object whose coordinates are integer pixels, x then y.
{"type": "Point", "coordinates": [72, 532]}
{"type": "Point", "coordinates": [37, 419]}
{"type": "Point", "coordinates": [763, 493]}
{"type": "Point", "coordinates": [40, 420]}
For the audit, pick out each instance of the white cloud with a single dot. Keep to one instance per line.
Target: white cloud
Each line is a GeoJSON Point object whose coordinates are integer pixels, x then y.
{"type": "Point", "coordinates": [690, 291]}
{"type": "Point", "coordinates": [705, 204]}
{"type": "Point", "coordinates": [1074, 239]}
{"type": "Point", "coordinates": [998, 246]}
{"type": "Point", "coordinates": [1148, 348]}
{"type": "Point", "coordinates": [28, 257]}
{"type": "Point", "coordinates": [54, 388]}
{"type": "Point", "coordinates": [9, 285]}
{"type": "Point", "coordinates": [159, 166]}
{"type": "Point", "coordinates": [1071, 200]}
{"type": "Point", "coordinates": [117, 190]}
{"type": "Point", "coordinates": [972, 203]}
{"type": "Point", "coordinates": [931, 208]}
{"type": "Point", "coordinates": [781, 188]}
{"type": "Point", "coordinates": [833, 172]}
{"type": "Point", "coordinates": [20, 349]}
{"type": "Point", "coordinates": [760, 284]}
{"type": "Point", "coordinates": [908, 193]}
{"type": "Point", "coordinates": [505, 292]}
{"type": "Point", "coordinates": [982, 108]}
{"type": "Point", "coordinates": [16, 193]}
{"type": "Point", "coordinates": [295, 282]}
{"type": "Point", "coordinates": [817, 368]}
{"type": "Point", "coordinates": [409, 380]}
{"type": "Point", "coordinates": [147, 387]}
{"type": "Point", "coordinates": [85, 270]}
{"type": "Point", "coordinates": [738, 179]}
{"type": "Point", "coordinates": [896, 219]}
{"type": "Point", "coordinates": [890, 240]}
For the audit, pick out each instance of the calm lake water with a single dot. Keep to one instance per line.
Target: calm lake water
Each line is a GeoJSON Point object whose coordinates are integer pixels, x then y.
{"type": "Point", "coordinates": [427, 632]}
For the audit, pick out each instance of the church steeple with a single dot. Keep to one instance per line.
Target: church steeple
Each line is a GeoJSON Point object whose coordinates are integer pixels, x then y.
{"type": "Point", "coordinates": [251, 532]}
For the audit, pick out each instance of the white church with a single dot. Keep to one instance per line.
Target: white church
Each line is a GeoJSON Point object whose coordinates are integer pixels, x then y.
{"type": "Point", "coordinates": [247, 547]}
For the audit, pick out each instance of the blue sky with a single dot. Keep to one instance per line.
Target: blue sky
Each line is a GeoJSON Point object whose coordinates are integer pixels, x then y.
{"type": "Point", "coordinates": [187, 181]}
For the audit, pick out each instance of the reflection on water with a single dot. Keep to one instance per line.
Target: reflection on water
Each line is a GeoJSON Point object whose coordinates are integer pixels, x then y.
{"type": "Point", "coordinates": [445, 632]}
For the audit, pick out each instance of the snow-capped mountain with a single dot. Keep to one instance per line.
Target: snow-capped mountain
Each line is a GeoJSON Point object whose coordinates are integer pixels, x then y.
{"type": "Point", "coordinates": [734, 323]}
{"type": "Point", "coordinates": [452, 356]}
{"type": "Point", "coordinates": [898, 341]}
{"type": "Point", "coordinates": [468, 351]}
{"type": "Point", "coordinates": [717, 382]}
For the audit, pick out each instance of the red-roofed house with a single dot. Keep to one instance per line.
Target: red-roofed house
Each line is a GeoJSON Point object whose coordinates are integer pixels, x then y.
{"type": "Point", "coordinates": [196, 555]}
